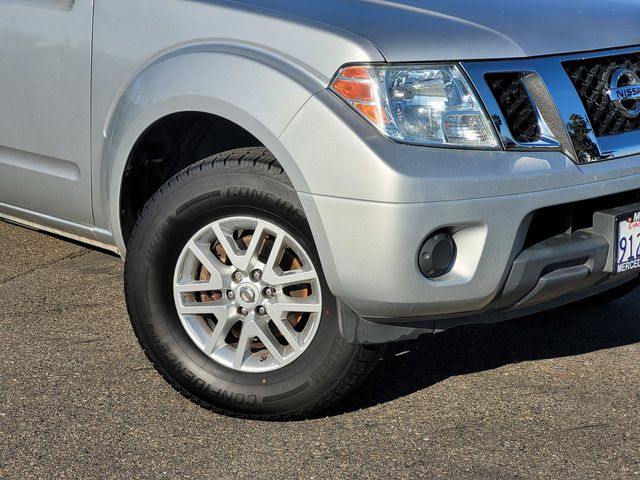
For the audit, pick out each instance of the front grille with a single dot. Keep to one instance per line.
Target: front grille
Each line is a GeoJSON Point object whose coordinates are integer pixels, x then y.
{"type": "Point", "coordinates": [515, 106]}
{"type": "Point", "coordinates": [589, 77]}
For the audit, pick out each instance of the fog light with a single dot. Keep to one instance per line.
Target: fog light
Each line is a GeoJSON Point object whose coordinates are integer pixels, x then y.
{"type": "Point", "coordinates": [437, 255]}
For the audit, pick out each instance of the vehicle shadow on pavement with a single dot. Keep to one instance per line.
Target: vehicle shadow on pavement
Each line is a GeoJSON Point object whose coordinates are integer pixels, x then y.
{"type": "Point", "coordinates": [408, 367]}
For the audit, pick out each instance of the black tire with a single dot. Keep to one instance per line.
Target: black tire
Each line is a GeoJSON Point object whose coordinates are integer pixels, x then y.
{"type": "Point", "coordinates": [239, 182]}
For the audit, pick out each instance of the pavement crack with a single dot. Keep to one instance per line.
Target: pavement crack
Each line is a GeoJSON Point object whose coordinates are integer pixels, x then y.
{"type": "Point", "coordinates": [44, 266]}
{"type": "Point", "coordinates": [590, 425]}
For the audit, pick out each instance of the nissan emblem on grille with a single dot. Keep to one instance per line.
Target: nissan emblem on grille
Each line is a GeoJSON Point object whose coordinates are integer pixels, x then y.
{"type": "Point", "coordinates": [624, 91]}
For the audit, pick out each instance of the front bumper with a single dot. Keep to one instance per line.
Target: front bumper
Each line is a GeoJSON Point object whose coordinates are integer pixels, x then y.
{"type": "Point", "coordinates": [369, 252]}
{"type": "Point", "coordinates": [371, 203]}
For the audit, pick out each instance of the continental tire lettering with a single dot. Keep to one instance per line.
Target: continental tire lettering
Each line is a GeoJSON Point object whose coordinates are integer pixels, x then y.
{"type": "Point", "coordinates": [330, 362]}
{"type": "Point", "coordinates": [216, 394]}
{"type": "Point", "coordinates": [255, 194]}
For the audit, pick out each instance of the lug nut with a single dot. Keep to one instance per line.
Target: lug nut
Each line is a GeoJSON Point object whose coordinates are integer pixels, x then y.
{"type": "Point", "coordinates": [269, 291]}
{"type": "Point", "coordinates": [237, 276]}
{"type": "Point", "coordinates": [231, 295]}
{"type": "Point", "coordinates": [262, 310]}
{"type": "Point", "coordinates": [256, 274]}
{"type": "Point", "coordinates": [243, 311]}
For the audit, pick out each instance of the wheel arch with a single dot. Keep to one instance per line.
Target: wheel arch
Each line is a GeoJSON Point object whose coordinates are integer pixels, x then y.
{"type": "Point", "coordinates": [189, 81]}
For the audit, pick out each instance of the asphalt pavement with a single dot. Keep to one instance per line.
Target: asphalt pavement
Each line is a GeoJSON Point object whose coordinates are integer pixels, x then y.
{"type": "Point", "coordinates": [555, 395]}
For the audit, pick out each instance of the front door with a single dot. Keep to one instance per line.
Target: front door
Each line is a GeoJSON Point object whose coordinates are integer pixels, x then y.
{"type": "Point", "coordinates": [45, 82]}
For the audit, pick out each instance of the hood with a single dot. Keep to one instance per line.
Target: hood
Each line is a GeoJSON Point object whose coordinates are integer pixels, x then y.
{"type": "Point", "coordinates": [431, 30]}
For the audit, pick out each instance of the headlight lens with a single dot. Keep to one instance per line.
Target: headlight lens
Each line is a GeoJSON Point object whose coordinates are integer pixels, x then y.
{"type": "Point", "coordinates": [418, 104]}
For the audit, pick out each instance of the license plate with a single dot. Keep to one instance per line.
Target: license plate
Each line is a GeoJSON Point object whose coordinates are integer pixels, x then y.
{"type": "Point", "coordinates": [628, 246]}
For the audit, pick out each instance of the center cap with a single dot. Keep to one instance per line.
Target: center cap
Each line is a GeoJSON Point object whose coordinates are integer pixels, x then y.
{"type": "Point", "coordinates": [247, 295]}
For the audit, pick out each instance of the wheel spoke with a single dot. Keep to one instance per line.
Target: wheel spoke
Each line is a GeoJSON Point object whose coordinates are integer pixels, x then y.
{"type": "Point", "coordinates": [269, 274]}
{"type": "Point", "coordinates": [253, 248]}
{"type": "Point", "coordinates": [244, 344]}
{"type": "Point", "coordinates": [269, 341]}
{"type": "Point", "coordinates": [219, 333]}
{"type": "Point", "coordinates": [203, 308]}
{"type": "Point", "coordinates": [293, 304]}
{"type": "Point", "coordinates": [210, 262]}
{"type": "Point", "coordinates": [295, 277]}
{"type": "Point", "coordinates": [240, 259]}
{"type": "Point", "coordinates": [227, 243]}
{"type": "Point", "coordinates": [292, 337]}
{"type": "Point", "coordinates": [196, 286]}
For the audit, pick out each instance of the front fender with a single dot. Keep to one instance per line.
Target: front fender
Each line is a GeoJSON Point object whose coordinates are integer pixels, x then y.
{"type": "Point", "coordinates": [261, 93]}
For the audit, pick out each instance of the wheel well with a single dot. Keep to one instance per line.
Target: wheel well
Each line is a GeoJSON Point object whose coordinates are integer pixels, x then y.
{"type": "Point", "coordinates": [168, 146]}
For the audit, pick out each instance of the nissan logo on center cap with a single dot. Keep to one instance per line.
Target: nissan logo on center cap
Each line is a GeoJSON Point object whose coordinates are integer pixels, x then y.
{"type": "Point", "coordinates": [247, 294]}
{"type": "Point", "coordinates": [624, 91]}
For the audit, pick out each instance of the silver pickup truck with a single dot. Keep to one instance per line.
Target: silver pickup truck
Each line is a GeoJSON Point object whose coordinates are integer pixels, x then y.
{"type": "Point", "coordinates": [293, 184]}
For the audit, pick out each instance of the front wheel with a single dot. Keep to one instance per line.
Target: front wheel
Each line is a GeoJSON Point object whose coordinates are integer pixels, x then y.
{"type": "Point", "coordinates": [227, 297]}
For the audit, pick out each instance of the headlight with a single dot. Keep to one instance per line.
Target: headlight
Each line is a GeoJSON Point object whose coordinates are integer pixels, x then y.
{"type": "Point", "coordinates": [417, 104]}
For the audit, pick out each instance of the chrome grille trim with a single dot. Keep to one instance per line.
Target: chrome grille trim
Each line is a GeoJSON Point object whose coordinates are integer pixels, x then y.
{"type": "Point", "coordinates": [569, 128]}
